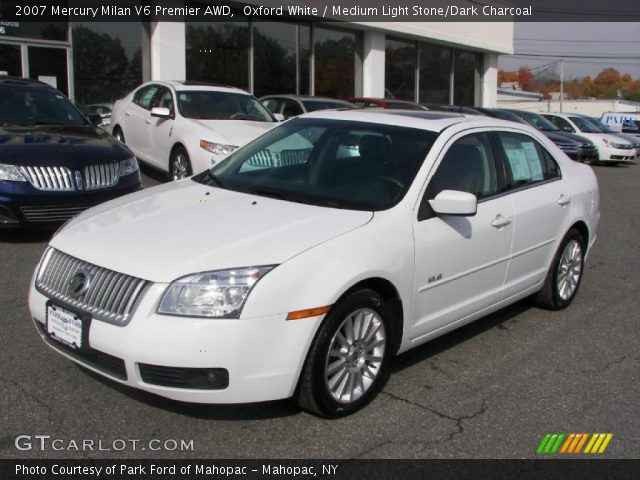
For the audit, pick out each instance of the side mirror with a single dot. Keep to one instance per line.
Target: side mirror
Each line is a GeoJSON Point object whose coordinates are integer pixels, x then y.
{"type": "Point", "coordinates": [279, 117]}
{"type": "Point", "coordinates": [567, 128]}
{"type": "Point", "coordinates": [95, 119]}
{"type": "Point", "coordinates": [454, 202]}
{"type": "Point", "coordinates": [160, 112]}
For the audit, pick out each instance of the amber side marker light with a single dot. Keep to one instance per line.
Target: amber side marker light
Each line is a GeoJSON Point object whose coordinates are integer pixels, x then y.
{"type": "Point", "coordinates": [310, 312]}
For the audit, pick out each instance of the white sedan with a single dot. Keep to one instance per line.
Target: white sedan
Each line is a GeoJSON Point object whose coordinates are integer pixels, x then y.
{"type": "Point", "coordinates": [367, 234]}
{"type": "Point", "coordinates": [186, 127]}
{"type": "Point", "coordinates": [612, 149]}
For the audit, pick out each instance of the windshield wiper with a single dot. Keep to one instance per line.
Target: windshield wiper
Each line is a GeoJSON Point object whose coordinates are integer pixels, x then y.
{"type": "Point", "coordinates": [268, 193]}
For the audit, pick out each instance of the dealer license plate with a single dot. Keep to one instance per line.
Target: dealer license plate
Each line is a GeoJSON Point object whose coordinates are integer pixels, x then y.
{"type": "Point", "coordinates": [64, 326]}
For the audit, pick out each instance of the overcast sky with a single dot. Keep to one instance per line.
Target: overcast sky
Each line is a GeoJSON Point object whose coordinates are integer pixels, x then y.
{"type": "Point", "coordinates": [609, 40]}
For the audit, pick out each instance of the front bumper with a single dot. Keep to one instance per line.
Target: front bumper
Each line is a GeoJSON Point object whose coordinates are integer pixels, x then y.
{"type": "Point", "coordinates": [22, 206]}
{"type": "Point", "coordinates": [610, 154]}
{"type": "Point", "coordinates": [263, 356]}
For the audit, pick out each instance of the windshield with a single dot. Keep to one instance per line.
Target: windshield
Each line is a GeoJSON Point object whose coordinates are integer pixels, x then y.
{"type": "Point", "coordinates": [538, 121]}
{"type": "Point", "coordinates": [585, 125]}
{"type": "Point", "coordinates": [313, 105]}
{"type": "Point", "coordinates": [335, 163]}
{"type": "Point", "coordinates": [598, 124]}
{"type": "Point", "coordinates": [25, 105]}
{"type": "Point", "coordinates": [212, 105]}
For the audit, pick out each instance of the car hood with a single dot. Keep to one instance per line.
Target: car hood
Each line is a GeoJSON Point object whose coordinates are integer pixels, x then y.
{"type": "Point", "coordinates": [570, 136]}
{"type": "Point", "coordinates": [232, 132]}
{"type": "Point", "coordinates": [176, 229]}
{"type": "Point", "coordinates": [70, 146]}
{"type": "Point", "coordinates": [556, 137]}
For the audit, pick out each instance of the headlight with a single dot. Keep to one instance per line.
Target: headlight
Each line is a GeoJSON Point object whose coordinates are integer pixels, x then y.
{"type": "Point", "coordinates": [217, 148]}
{"type": "Point", "coordinates": [218, 294]}
{"type": "Point", "coordinates": [11, 172]}
{"type": "Point", "coordinates": [612, 144]}
{"type": "Point", "coordinates": [128, 166]}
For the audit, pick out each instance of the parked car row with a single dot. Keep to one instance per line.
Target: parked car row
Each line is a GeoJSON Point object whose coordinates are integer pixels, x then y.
{"type": "Point", "coordinates": [582, 138]}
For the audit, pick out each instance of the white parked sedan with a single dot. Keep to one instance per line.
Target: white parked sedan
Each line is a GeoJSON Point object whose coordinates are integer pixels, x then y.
{"type": "Point", "coordinates": [612, 149]}
{"type": "Point", "coordinates": [368, 234]}
{"type": "Point", "coordinates": [187, 127]}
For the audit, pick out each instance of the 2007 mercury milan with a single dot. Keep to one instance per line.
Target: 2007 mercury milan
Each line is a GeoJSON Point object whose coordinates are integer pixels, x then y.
{"type": "Point", "coordinates": [298, 266]}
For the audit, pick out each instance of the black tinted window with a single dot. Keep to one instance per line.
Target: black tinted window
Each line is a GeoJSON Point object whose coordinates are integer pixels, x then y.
{"type": "Point", "coordinates": [24, 105]}
{"type": "Point", "coordinates": [467, 166]}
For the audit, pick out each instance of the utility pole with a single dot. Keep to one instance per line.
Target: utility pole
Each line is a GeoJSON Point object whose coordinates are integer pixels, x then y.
{"type": "Point", "coordinates": [561, 81]}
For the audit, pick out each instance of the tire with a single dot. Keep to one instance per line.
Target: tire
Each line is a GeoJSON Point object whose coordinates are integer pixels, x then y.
{"type": "Point", "coordinates": [564, 277]}
{"type": "Point", "coordinates": [348, 362]}
{"type": "Point", "coordinates": [118, 135]}
{"type": "Point", "coordinates": [179, 164]}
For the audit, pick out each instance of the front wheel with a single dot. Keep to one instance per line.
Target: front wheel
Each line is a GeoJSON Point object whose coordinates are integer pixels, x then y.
{"type": "Point", "coordinates": [118, 135]}
{"type": "Point", "coordinates": [565, 274]}
{"type": "Point", "coordinates": [349, 360]}
{"type": "Point", "coordinates": [179, 165]}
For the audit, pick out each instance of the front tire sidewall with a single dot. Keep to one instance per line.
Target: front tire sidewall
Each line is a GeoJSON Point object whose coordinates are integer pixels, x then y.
{"type": "Point", "coordinates": [174, 157]}
{"type": "Point", "coordinates": [559, 302]}
{"type": "Point", "coordinates": [316, 363]}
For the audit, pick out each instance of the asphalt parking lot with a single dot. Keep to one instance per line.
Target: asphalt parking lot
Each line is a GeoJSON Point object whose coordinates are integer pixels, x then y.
{"type": "Point", "coordinates": [489, 390]}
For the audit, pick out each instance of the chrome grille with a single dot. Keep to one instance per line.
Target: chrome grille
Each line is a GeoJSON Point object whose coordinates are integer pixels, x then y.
{"type": "Point", "coordinates": [51, 213]}
{"type": "Point", "coordinates": [49, 178]}
{"type": "Point", "coordinates": [111, 296]}
{"type": "Point", "coordinates": [101, 175]}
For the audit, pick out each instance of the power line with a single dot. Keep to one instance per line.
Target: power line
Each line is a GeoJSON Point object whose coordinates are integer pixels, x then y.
{"type": "Point", "coordinates": [576, 41]}
{"type": "Point", "coordinates": [603, 56]}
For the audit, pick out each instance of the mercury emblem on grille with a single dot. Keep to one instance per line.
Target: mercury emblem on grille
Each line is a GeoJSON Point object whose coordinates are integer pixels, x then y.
{"type": "Point", "coordinates": [79, 283]}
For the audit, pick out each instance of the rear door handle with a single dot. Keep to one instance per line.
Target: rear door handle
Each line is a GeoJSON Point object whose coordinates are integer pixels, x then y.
{"type": "Point", "coordinates": [127, 113]}
{"type": "Point", "coordinates": [500, 221]}
{"type": "Point", "coordinates": [562, 201]}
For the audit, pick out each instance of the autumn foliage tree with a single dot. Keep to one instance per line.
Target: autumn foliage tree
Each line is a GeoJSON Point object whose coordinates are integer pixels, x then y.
{"type": "Point", "coordinates": [609, 83]}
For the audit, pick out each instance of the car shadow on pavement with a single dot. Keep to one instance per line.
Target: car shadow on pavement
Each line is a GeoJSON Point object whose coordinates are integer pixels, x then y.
{"type": "Point", "coordinates": [458, 336]}
{"type": "Point", "coordinates": [26, 236]}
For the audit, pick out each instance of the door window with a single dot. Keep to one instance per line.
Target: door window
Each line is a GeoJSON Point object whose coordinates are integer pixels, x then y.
{"type": "Point", "coordinates": [144, 96]}
{"type": "Point", "coordinates": [467, 166]}
{"type": "Point", "coordinates": [561, 123]}
{"type": "Point", "coordinates": [527, 161]}
{"type": "Point", "coordinates": [291, 109]}
{"type": "Point", "coordinates": [164, 99]}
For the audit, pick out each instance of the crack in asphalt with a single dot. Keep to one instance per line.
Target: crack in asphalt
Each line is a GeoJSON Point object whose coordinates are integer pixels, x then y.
{"type": "Point", "coordinates": [458, 420]}
{"type": "Point", "coordinates": [32, 396]}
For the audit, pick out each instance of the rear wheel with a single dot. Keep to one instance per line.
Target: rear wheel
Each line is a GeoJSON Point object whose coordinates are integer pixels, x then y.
{"type": "Point", "coordinates": [349, 360]}
{"type": "Point", "coordinates": [179, 165]}
{"type": "Point", "coordinates": [563, 279]}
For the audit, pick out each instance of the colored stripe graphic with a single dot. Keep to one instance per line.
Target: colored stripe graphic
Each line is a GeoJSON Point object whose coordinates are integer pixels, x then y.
{"type": "Point", "coordinates": [573, 443]}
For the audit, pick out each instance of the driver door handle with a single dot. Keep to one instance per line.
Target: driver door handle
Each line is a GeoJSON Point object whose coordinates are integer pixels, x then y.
{"type": "Point", "coordinates": [501, 221]}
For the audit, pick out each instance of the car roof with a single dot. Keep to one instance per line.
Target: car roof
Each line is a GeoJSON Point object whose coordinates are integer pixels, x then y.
{"type": "Point", "coordinates": [24, 82]}
{"type": "Point", "coordinates": [187, 85]}
{"type": "Point", "coordinates": [425, 120]}
{"type": "Point", "coordinates": [304, 97]}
